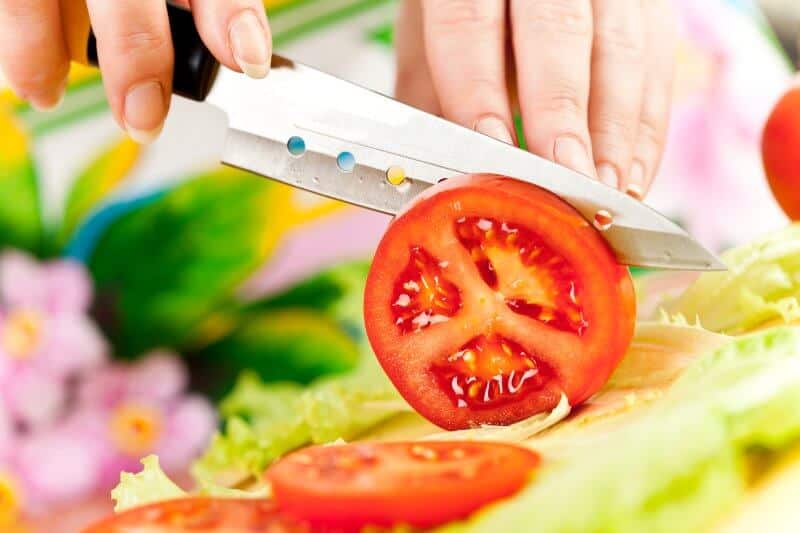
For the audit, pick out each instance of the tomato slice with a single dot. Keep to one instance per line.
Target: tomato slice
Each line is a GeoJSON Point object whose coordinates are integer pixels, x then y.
{"type": "Point", "coordinates": [202, 515]}
{"type": "Point", "coordinates": [489, 297]}
{"type": "Point", "coordinates": [421, 484]}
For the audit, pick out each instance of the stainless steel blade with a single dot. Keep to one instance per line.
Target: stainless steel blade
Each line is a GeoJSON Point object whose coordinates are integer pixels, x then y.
{"type": "Point", "coordinates": [333, 116]}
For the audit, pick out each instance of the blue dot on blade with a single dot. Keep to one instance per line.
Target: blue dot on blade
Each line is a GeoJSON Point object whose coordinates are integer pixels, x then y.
{"type": "Point", "coordinates": [346, 162]}
{"type": "Point", "coordinates": [296, 146]}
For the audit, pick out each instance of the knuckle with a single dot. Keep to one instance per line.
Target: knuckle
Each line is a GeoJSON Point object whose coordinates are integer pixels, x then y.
{"type": "Point", "coordinates": [619, 39]}
{"type": "Point", "coordinates": [141, 41]}
{"type": "Point", "coordinates": [449, 15]}
{"type": "Point", "coordinates": [554, 17]}
{"type": "Point", "coordinates": [616, 130]}
{"type": "Point", "coordinates": [650, 137]}
{"type": "Point", "coordinates": [564, 102]}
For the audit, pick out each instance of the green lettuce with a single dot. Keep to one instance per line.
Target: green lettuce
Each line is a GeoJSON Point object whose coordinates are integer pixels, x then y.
{"type": "Point", "coordinates": [266, 420]}
{"type": "Point", "coordinates": [681, 465]}
{"type": "Point", "coordinates": [761, 285]}
{"type": "Point", "coordinates": [152, 485]}
{"type": "Point", "coordinates": [148, 486]}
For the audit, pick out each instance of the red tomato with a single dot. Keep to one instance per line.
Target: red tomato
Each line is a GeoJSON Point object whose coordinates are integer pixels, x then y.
{"type": "Point", "coordinates": [780, 148]}
{"type": "Point", "coordinates": [421, 484]}
{"type": "Point", "coordinates": [488, 297]}
{"type": "Point", "coordinates": [201, 515]}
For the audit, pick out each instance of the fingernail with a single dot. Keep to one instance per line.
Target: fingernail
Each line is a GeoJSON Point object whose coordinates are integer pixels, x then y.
{"type": "Point", "coordinates": [50, 100]}
{"type": "Point", "coordinates": [636, 178]}
{"type": "Point", "coordinates": [144, 111]}
{"type": "Point", "coordinates": [494, 127]}
{"type": "Point", "coordinates": [571, 153]}
{"type": "Point", "coordinates": [249, 45]}
{"type": "Point", "coordinates": [608, 174]}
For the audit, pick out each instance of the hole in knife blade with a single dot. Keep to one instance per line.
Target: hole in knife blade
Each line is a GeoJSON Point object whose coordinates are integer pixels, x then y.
{"type": "Point", "coordinates": [603, 220]}
{"type": "Point", "coordinates": [346, 162]}
{"type": "Point", "coordinates": [296, 146]}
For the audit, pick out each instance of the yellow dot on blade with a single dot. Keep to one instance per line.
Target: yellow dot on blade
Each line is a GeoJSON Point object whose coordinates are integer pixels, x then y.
{"type": "Point", "coordinates": [395, 175]}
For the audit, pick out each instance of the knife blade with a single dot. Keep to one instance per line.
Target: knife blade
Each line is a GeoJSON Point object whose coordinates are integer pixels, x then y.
{"type": "Point", "coordinates": [335, 117]}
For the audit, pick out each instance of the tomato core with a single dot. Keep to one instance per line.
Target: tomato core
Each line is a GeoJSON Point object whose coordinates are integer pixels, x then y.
{"type": "Point", "coordinates": [422, 295]}
{"type": "Point", "coordinates": [490, 371]}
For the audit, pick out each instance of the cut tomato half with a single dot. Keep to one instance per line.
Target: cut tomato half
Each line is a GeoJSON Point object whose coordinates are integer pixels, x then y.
{"type": "Point", "coordinates": [489, 297]}
{"type": "Point", "coordinates": [421, 484]}
{"type": "Point", "coordinates": [202, 515]}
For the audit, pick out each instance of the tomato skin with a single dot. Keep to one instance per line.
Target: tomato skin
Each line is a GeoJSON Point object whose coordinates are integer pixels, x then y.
{"type": "Point", "coordinates": [201, 515]}
{"type": "Point", "coordinates": [581, 365]}
{"type": "Point", "coordinates": [780, 148]}
{"type": "Point", "coordinates": [385, 484]}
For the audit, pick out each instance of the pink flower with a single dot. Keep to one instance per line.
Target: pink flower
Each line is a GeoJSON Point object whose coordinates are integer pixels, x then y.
{"type": "Point", "coordinates": [729, 76]}
{"type": "Point", "coordinates": [46, 338]}
{"type": "Point", "coordinates": [142, 408]}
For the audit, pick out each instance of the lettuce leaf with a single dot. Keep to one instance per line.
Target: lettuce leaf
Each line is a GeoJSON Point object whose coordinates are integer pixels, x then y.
{"type": "Point", "coordinates": [681, 463]}
{"type": "Point", "coordinates": [267, 420]}
{"type": "Point", "coordinates": [152, 485]}
{"type": "Point", "coordinates": [148, 486]}
{"type": "Point", "coordinates": [761, 285]}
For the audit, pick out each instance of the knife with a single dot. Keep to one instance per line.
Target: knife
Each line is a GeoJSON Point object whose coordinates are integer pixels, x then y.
{"type": "Point", "coordinates": [325, 135]}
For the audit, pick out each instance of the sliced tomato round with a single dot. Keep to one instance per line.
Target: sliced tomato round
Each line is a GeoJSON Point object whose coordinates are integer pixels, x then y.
{"type": "Point", "coordinates": [421, 484]}
{"type": "Point", "coordinates": [780, 148]}
{"type": "Point", "coordinates": [202, 515]}
{"type": "Point", "coordinates": [488, 298]}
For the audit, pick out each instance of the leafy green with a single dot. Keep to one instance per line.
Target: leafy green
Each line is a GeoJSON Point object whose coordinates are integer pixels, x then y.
{"type": "Point", "coordinates": [294, 345]}
{"type": "Point", "coordinates": [20, 211]}
{"type": "Point", "coordinates": [95, 182]}
{"type": "Point", "coordinates": [152, 485]}
{"type": "Point", "coordinates": [148, 486]}
{"type": "Point", "coordinates": [761, 285]}
{"type": "Point", "coordinates": [166, 273]}
{"type": "Point", "coordinates": [267, 420]}
{"type": "Point", "coordinates": [681, 465]}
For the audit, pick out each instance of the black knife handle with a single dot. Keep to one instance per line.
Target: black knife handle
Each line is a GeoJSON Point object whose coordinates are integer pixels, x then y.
{"type": "Point", "coordinates": [195, 66]}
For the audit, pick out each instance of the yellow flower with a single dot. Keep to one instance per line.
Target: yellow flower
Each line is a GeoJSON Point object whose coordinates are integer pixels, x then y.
{"type": "Point", "coordinates": [10, 520]}
{"type": "Point", "coordinates": [135, 429]}
{"type": "Point", "coordinates": [21, 333]}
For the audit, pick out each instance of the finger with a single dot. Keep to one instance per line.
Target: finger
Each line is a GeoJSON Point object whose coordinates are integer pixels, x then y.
{"type": "Point", "coordinates": [33, 54]}
{"type": "Point", "coordinates": [552, 45]}
{"type": "Point", "coordinates": [413, 84]}
{"type": "Point", "coordinates": [651, 135]}
{"type": "Point", "coordinates": [465, 42]}
{"type": "Point", "coordinates": [134, 48]}
{"type": "Point", "coordinates": [615, 99]}
{"type": "Point", "coordinates": [236, 32]}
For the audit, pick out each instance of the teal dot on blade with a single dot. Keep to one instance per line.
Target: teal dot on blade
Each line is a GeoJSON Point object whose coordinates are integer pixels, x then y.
{"type": "Point", "coordinates": [296, 146]}
{"type": "Point", "coordinates": [346, 162]}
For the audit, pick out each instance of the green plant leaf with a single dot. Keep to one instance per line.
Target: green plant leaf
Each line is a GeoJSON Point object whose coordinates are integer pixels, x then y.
{"type": "Point", "coordinates": [166, 272]}
{"type": "Point", "coordinates": [20, 212]}
{"type": "Point", "coordinates": [95, 182]}
{"type": "Point", "coordinates": [284, 345]}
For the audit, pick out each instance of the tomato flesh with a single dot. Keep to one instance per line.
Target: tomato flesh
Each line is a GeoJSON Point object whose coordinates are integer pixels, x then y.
{"type": "Point", "coordinates": [490, 371]}
{"type": "Point", "coordinates": [489, 298]}
{"type": "Point", "coordinates": [384, 484]}
{"type": "Point", "coordinates": [202, 515]}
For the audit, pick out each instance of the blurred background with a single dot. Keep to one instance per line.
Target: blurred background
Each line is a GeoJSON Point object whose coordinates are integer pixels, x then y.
{"type": "Point", "coordinates": [136, 283]}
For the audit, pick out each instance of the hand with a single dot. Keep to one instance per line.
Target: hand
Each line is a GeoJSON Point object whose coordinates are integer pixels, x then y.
{"type": "Point", "coordinates": [593, 78]}
{"type": "Point", "coordinates": [134, 50]}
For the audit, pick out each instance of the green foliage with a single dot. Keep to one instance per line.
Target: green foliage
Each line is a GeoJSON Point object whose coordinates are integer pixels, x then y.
{"type": "Point", "coordinates": [95, 182]}
{"type": "Point", "coordinates": [166, 272]}
{"type": "Point", "coordinates": [20, 212]}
